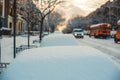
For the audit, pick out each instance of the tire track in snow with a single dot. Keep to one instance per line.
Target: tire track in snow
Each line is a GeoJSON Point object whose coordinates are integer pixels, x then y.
{"type": "Point", "coordinates": [107, 48]}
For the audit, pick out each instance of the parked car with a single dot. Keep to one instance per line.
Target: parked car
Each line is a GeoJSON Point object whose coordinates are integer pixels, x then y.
{"type": "Point", "coordinates": [112, 33]}
{"type": "Point", "coordinates": [86, 32]}
{"type": "Point", "coordinates": [78, 33]}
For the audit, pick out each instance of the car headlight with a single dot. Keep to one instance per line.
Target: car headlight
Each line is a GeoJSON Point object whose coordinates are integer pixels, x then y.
{"type": "Point", "coordinates": [75, 34]}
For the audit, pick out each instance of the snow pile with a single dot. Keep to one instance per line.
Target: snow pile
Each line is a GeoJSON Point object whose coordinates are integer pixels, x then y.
{"type": "Point", "coordinates": [59, 40]}
{"type": "Point", "coordinates": [61, 63]}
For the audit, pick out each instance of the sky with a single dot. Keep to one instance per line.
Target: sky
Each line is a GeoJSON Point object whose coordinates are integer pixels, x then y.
{"type": "Point", "coordinates": [79, 7]}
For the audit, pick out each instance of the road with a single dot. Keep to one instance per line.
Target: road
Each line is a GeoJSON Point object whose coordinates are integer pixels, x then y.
{"type": "Point", "coordinates": [107, 46]}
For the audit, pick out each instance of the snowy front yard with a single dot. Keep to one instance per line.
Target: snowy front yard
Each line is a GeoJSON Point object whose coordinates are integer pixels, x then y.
{"type": "Point", "coordinates": [7, 46]}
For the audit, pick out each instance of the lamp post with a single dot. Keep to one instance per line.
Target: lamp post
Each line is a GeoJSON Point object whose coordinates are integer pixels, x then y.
{"type": "Point", "coordinates": [1, 24]}
{"type": "Point", "coordinates": [28, 35]}
{"type": "Point", "coordinates": [14, 32]}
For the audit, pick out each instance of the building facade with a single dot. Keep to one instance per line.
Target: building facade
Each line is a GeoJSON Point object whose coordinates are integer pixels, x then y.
{"type": "Point", "coordinates": [7, 18]}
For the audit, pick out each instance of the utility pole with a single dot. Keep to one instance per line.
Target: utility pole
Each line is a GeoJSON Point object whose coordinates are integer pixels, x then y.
{"type": "Point", "coordinates": [28, 35]}
{"type": "Point", "coordinates": [14, 32]}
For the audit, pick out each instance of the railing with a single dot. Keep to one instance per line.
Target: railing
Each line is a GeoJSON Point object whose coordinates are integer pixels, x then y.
{"type": "Point", "coordinates": [3, 66]}
{"type": "Point", "coordinates": [24, 47]}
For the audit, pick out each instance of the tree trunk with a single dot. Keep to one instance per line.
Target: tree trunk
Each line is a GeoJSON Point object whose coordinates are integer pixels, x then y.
{"type": "Point", "coordinates": [41, 29]}
{"type": "Point", "coordinates": [28, 25]}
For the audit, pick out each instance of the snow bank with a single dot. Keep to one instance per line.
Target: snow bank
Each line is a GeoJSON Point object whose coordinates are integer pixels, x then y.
{"type": "Point", "coordinates": [59, 40]}
{"type": "Point", "coordinates": [61, 63]}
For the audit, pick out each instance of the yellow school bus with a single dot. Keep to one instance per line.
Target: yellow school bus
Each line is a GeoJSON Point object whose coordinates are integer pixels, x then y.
{"type": "Point", "coordinates": [100, 30]}
{"type": "Point", "coordinates": [117, 34]}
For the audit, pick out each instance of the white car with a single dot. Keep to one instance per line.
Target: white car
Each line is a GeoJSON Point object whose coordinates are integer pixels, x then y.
{"type": "Point", "coordinates": [112, 33]}
{"type": "Point", "coordinates": [78, 33]}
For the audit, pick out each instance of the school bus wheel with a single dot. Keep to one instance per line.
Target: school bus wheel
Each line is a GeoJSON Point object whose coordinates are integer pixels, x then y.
{"type": "Point", "coordinates": [115, 39]}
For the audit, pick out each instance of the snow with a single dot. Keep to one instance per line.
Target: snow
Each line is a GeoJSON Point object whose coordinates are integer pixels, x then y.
{"type": "Point", "coordinates": [107, 46]}
{"type": "Point", "coordinates": [59, 40]}
{"type": "Point", "coordinates": [96, 25]}
{"type": "Point", "coordinates": [7, 46]}
{"type": "Point", "coordinates": [60, 57]}
{"type": "Point", "coordinates": [61, 63]}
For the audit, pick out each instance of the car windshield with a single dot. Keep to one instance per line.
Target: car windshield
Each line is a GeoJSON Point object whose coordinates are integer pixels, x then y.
{"type": "Point", "coordinates": [78, 30]}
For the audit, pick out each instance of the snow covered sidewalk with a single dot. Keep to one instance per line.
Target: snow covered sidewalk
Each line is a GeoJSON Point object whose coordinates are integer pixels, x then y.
{"type": "Point", "coordinates": [59, 40]}
{"type": "Point", "coordinates": [57, 61]}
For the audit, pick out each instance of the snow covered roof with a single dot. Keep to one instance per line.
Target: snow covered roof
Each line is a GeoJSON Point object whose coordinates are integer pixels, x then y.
{"type": "Point", "coordinates": [4, 28]}
{"type": "Point", "coordinates": [59, 40]}
{"type": "Point", "coordinates": [96, 25]}
{"type": "Point", "coordinates": [61, 63]}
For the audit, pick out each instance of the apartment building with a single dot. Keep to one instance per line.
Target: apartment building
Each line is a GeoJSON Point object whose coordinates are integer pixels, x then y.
{"type": "Point", "coordinates": [7, 18]}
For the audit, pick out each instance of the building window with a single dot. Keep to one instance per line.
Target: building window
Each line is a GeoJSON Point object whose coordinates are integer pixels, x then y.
{"type": "Point", "coordinates": [10, 25]}
{"type": "Point", "coordinates": [11, 11]}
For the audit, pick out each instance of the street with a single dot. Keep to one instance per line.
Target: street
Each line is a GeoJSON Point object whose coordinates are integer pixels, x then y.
{"type": "Point", "coordinates": [107, 46]}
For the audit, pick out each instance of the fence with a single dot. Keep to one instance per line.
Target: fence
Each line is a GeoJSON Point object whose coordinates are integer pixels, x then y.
{"type": "Point", "coordinates": [24, 47]}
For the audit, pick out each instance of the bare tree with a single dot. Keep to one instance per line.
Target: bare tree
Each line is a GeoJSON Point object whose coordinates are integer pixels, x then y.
{"type": "Point", "coordinates": [54, 19]}
{"type": "Point", "coordinates": [28, 11]}
{"type": "Point", "coordinates": [46, 7]}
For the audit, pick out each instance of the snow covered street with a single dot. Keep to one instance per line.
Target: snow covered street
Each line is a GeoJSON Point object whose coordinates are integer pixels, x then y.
{"type": "Point", "coordinates": [107, 46]}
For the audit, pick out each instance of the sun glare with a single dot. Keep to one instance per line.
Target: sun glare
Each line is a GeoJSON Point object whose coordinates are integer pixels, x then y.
{"type": "Point", "coordinates": [61, 27]}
